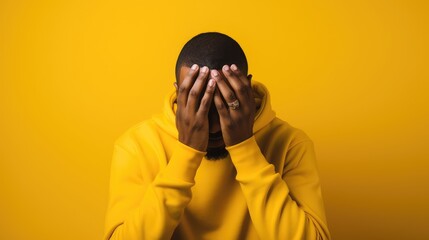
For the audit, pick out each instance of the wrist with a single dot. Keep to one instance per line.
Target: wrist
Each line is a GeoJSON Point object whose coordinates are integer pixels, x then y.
{"type": "Point", "coordinates": [239, 140]}
{"type": "Point", "coordinates": [190, 142]}
{"type": "Point", "coordinates": [184, 162]}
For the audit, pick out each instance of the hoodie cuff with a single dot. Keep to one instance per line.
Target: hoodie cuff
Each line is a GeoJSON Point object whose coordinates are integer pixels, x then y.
{"type": "Point", "coordinates": [184, 162]}
{"type": "Point", "coordinates": [247, 157]}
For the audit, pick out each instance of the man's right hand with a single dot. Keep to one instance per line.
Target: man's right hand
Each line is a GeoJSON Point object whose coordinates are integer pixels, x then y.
{"type": "Point", "coordinates": [192, 114]}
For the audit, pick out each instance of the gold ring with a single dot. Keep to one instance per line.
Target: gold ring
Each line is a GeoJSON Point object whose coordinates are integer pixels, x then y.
{"type": "Point", "coordinates": [234, 105]}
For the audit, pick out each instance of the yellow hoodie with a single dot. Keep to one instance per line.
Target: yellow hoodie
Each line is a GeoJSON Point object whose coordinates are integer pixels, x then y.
{"type": "Point", "coordinates": [267, 188]}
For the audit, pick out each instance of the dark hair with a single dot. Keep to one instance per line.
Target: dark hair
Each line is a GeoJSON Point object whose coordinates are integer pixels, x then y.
{"type": "Point", "coordinates": [211, 49]}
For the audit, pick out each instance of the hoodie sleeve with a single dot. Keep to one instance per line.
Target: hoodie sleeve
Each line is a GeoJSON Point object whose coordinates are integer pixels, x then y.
{"type": "Point", "coordinates": [282, 206]}
{"type": "Point", "coordinates": [152, 212]}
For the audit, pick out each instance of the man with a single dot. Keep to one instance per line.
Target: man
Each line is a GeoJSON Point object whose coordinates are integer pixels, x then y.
{"type": "Point", "coordinates": [217, 164]}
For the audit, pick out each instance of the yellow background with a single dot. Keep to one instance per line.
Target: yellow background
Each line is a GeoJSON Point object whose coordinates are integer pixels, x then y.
{"type": "Point", "coordinates": [74, 75]}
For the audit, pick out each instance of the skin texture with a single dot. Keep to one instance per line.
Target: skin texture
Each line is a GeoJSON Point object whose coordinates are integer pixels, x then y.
{"type": "Point", "coordinates": [203, 119]}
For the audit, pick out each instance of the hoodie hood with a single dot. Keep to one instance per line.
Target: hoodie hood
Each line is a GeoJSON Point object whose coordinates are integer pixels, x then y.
{"type": "Point", "coordinates": [263, 116]}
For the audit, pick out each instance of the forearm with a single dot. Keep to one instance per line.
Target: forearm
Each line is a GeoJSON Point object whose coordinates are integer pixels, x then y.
{"type": "Point", "coordinates": [158, 212]}
{"type": "Point", "coordinates": [274, 213]}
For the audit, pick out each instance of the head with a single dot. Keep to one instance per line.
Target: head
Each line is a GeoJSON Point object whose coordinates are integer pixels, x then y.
{"type": "Point", "coordinates": [214, 50]}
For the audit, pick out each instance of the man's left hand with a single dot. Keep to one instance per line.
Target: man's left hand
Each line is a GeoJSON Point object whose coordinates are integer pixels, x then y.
{"type": "Point", "coordinates": [237, 108]}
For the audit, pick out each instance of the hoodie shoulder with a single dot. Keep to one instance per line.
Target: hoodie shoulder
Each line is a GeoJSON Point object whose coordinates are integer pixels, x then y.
{"type": "Point", "coordinates": [292, 135]}
{"type": "Point", "coordinates": [135, 135]}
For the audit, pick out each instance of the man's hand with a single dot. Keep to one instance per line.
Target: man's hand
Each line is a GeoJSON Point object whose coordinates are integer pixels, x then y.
{"type": "Point", "coordinates": [192, 114]}
{"type": "Point", "coordinates": [236, 122]}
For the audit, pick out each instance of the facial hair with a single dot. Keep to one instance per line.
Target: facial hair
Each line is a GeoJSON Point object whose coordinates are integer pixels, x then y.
{"type": "Point", "coordinates": [214, 154]}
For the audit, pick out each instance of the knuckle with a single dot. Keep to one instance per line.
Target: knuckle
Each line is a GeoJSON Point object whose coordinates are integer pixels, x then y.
{"type": "Point", "coordinates": [195, 127]}
{"type": "Point", "coordinates": [193, 93]}
{"type": "Point", "coordinates": [242, 89]}
{"type": "Point", "coordinates": [186, 121]}
{"type": "Point", "coordinates": [219, 79]}
{"type": "Point", "coordinates": [182, 89]}
{"type": "Point", "coordinates": [220, 105]}
{"type": "Point", "coordinates": [204, 102]}
{"type": "Point", "coordinates": [231, 96]}
{"type": "Point", "coordinates": [198, 125]}
{"type": "Point", "coordinates": [210, 91]}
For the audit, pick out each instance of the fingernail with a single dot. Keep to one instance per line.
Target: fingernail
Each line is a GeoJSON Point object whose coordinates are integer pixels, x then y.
{"type": "Point", "coordinates": [215, 73]}
{"type": "Point", "coordinates": [234, 67]}
{"type": "Point", "coordinates": [211, 83]}
{"type": "Point", "coordinates": [194, 67]}
{"type": "Point", "coordinates": [204, 69]}
{"type": "Point", "coordinates": [226, 68]}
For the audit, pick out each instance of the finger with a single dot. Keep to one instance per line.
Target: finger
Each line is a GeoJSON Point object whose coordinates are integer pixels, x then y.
{"type": "Point", "coordinates": [241, 90]}
{"type": "Point", "coordinates": [206, 101]}
{"type": "Point", "coordinates": [220, 105]}
{"type": "Point", "coordinates": [241, 75]}
{"type": "Point", "coordinates": [195, 92]}
{"type": "Point", "coordinates": [223, 87]}
{"type": "Point", "coordinates": [185, 86]}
